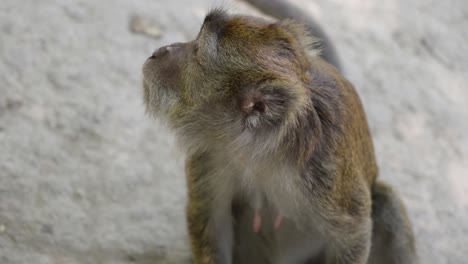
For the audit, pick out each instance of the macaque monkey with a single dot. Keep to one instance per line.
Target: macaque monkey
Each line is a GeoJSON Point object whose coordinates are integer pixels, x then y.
{"type": "Point", "coordinates": [280, 162]}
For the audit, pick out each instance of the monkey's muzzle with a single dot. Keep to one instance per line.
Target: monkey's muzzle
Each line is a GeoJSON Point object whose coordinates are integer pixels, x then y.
{"type": "Point", "coordinates": [163, 69]}
{"type": "Point", "coordinates": [166, 50]}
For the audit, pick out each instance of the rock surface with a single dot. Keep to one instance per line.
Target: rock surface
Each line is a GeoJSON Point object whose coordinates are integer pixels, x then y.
{"type": "Point", "coordinates": [87, 177]}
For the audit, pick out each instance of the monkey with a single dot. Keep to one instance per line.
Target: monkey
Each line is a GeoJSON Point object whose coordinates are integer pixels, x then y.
{"type": "Point", "coordinates": [280, 164]}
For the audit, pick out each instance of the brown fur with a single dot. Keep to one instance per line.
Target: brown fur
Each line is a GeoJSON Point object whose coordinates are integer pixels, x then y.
{"type": "Point", "coordinates": [269, 125]}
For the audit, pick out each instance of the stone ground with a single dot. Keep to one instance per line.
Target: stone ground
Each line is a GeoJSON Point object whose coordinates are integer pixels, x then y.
{"type": "Point", "coordinates": [87, 177]}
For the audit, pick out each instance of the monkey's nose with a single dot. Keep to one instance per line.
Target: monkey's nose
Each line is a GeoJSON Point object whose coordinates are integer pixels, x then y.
{"type": "Point", "coordinates": [159, 52]}
{"type": "Point", "coordinates": [162, 51]}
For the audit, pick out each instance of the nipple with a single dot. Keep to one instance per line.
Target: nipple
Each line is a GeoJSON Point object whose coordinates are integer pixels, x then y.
{"type": "Point", "coordinates": [257, 221]}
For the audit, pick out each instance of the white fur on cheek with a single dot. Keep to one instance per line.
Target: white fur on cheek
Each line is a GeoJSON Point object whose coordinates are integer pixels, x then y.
{"type": "Point", "coordinates": [160, 98]}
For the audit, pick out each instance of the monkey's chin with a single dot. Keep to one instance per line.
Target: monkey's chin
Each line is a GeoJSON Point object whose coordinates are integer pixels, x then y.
{"type": "Point", "coordinates": [147, 68]}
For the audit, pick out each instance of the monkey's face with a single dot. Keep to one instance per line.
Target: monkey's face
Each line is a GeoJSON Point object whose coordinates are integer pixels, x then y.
{"type": "Point", "coordinates": [241, 79]}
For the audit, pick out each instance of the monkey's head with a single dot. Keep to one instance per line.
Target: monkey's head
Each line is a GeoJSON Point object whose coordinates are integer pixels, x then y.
{"type": "Point", "coordinates": [240, 85]}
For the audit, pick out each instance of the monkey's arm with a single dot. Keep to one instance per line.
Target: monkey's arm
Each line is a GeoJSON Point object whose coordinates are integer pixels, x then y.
{"type": "Point", "coordinates": [282, 9]}
{"type": "Point", "coordinates": [211, 234]}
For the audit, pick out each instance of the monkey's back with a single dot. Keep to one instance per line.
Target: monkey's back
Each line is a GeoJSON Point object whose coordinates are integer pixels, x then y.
{"type": "Point", "coordinates": [345, 132]}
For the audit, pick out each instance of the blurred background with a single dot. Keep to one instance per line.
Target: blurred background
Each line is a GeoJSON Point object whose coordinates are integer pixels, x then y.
{"type": "Point", "coordinates": [87, 177]}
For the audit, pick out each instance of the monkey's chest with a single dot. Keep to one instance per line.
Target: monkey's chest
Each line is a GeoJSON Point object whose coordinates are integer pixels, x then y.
{"type": "Point", "coordinates": [272, 193]}
{"type": "Point", "coordinates": [270, 213]}
{"type": "Point", "coordinates": [272, 243]}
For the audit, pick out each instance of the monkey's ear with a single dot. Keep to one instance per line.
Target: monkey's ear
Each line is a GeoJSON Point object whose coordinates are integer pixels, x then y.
{"type": "Point", "coordinates": [252, 101]}
{"type": "Point", "coordinates": [270, 101]}
{"type": "Point", "coordinates": [249, 106]}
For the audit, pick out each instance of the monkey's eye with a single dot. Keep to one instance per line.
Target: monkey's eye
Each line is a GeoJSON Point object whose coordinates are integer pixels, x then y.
{"type": "Point", "coordinates": [195, 50]}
